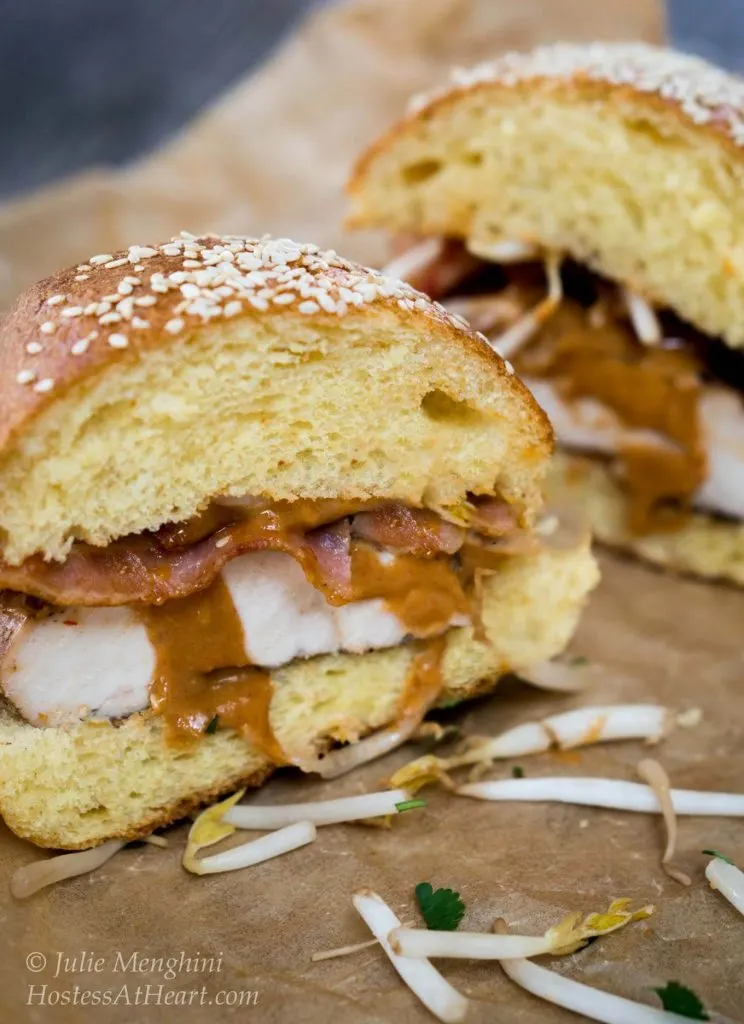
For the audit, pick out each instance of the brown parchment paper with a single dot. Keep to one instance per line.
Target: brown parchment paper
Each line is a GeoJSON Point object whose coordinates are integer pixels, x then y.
{"type": "Point", "coordinates": [273, 155]}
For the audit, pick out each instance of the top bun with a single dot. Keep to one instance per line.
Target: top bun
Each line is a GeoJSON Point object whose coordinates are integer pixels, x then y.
{"type": "Point", "coordinates": [139, 385]}
{"type": "Point", "coordinates": [627, 157]}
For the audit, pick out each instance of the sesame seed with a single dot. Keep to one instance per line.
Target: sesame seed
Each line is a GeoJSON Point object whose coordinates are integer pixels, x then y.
{"type": "Point", "coordinates": [34, 347]}
{"type": "Point", "coordinates": [82, 277]}
{"type": "Point", "coordinates": [222, 542]}
{"type": "Point", "coordinates": [103, 258]}
{"type": "Point", "coordinates": [48, 327]}
{"type": "Point", "coordinates": [25, 376]}
{"type": "Point", "coordinates": [507, 366]}
{"type": "Point", "coordinates": [222, 276]}
{"type": "Point", "coordinates": [139, 267]}
{"type": "Point", "coordinates": [44, 385]}
{"type": "Point", "coordinates": [188, 236]}
{"type": "Point", "coordinates": [141, 252]}
{"type": "Point", "coordinates": [84, 266]}
{"type": "Point", "coordinates": [71, 311]}
{"type": "Point", "coordinates": [80, 347]}
{"type": "Point", "coordinates": [55, 300]}
{"type": "Point", "coordinates": [114, 263]}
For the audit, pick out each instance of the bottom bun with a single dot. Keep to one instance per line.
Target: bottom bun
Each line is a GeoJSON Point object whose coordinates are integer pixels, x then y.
{"type": "Point", "coordinates": [705, 546]}
{"type": "Point", "coordinates": [76, 787]}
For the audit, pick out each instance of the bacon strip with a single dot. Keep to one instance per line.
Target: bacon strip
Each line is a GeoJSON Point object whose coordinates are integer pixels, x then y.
{"type": "Point", "coordinates": [493, 517]}
{"type": "Point", "coordinates": [410, 531]}
{"type": "Point", "coordinates": [152, 569]}
{"type": "Point", "coordinates": [141, 570]}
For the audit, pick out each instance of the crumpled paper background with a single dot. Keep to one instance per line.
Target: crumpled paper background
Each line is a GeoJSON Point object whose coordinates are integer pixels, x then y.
{"type": "Point", "coordinates": [274, 155]}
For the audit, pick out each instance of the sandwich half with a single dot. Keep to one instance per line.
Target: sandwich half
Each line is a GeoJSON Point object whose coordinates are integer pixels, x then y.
{"type": "Point", "coordinates": [254, 500]}
{"type": "Point", "coordinates": [584, 206]}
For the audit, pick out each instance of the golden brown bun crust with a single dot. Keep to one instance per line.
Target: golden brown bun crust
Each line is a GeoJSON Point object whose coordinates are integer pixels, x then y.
{"type": "Point", "coordinates": [151, 314]}
{"type": "Point", "coordinates": [73, 788]}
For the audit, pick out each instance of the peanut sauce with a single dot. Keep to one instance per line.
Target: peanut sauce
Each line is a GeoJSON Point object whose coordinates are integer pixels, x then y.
{"type": "Point", "coordinates": [288, 516]}
{"type": "Point", "coordinates": [648, 387]}
{"type": "Point", "coordinates": [424, 595]}
{"type": "Point", "coordinates": [423, 683]}
{"type": "Point", "coordinates": [202, 670]}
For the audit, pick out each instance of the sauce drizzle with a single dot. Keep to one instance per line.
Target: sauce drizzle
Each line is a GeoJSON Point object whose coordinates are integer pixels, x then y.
{"type": "Point", "coordinates": [202, 670]}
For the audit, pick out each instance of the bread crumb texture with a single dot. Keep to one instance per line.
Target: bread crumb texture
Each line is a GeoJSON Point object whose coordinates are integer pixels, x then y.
{"type": "Point", "coordinates": [73, 788]}
{"type": "Point", "coordinates": [624, 156]}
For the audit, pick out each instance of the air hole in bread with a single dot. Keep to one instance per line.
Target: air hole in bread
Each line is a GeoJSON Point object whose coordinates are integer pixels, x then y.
{"type": "Point", "coordinates": [643, 126]}
{"type": "Point", "coordinates": [95, 812]}
{"type": "Point", "coordinates": [439, 407]}
{"type": "Point", "coordinates": [414, 174]}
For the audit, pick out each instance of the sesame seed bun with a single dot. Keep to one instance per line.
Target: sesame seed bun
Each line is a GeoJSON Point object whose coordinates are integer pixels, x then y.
{"type": "Point", "coordinates": [139, 385]}
{"type": "Point", "coordinates": [627, 157]}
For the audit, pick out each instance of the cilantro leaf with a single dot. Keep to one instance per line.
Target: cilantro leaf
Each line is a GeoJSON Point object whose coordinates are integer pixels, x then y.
{"type": "Point", "coordinates": [721, 856]}
{"type": "Point", "coordinates": [517, 772]}
{"type": "Point", "coordinates": [409, 805]}
{"type": "Point", "coordinates": [681, 1000]}
{"type": "Point", "coordinates": [212, 727]}
{"type": "Point", "coordinates": [442, 909]}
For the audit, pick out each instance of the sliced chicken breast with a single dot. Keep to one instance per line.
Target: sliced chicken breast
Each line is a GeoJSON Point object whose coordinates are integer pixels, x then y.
{"type": "Point", "coordinates": [76, 662]}
{"type": "Point", "coordinates": [99, 662]}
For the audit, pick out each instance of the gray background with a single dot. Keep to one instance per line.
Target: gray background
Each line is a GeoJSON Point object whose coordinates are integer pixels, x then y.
{"type": "Point", "coordinates": [98, 82]}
